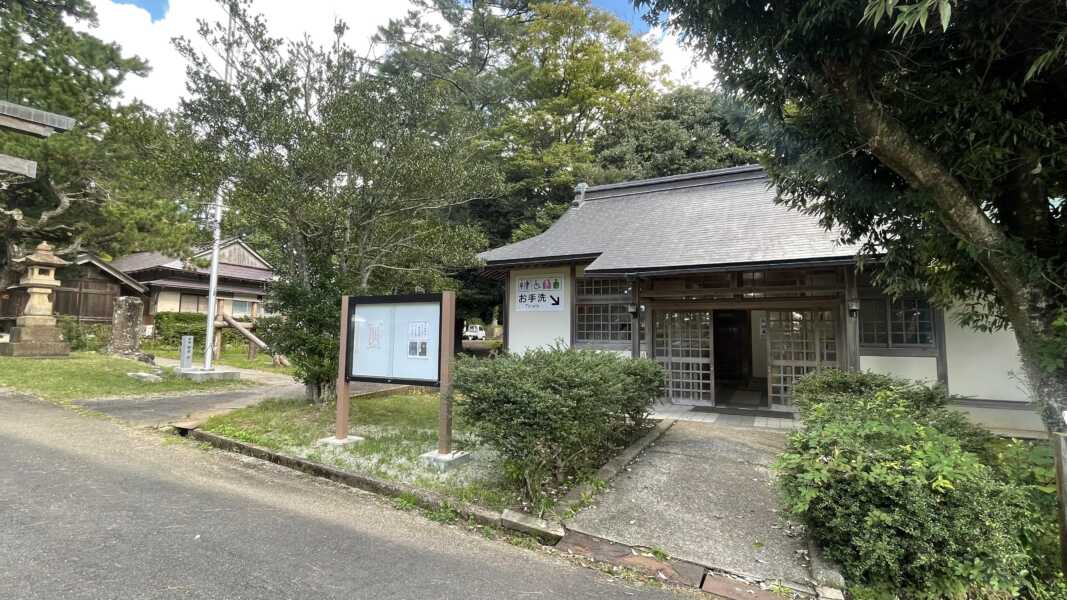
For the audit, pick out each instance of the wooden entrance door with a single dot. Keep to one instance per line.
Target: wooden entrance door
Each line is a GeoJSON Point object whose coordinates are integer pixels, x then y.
{"type": "Point", "coordinates": [798, 342]}
{"type": "Point", "coordinates": [684, 347]}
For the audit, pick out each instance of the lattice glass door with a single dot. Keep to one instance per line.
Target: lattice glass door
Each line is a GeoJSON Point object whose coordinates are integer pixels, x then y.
{"type": "Point", "coordinates": [798, 342]}
{"type": "Point", "coordinates": [683, 346]}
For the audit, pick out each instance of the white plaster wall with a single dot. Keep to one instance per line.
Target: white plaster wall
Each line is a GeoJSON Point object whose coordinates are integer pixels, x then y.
{"type": "Point", "coordinates": [983, 365]}
{"type": "Point", "coordinates": [168, 301]}
{"type": "Point", "coordinates": [538, 329]}
{"type": "Point", "coordinates": [921, 368]}
{"type": "Point", "coordinates": [759, 344]}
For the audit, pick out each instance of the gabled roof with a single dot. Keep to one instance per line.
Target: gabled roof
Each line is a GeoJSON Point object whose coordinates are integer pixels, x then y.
{"type": "Point", "coordinates": [205, 250]}
{"type": "Point", "coordinates": [126, 280]}
{"type": "Point", "coordinates": [142, 261]}
{"type": "Point", "coordinates": [698, 221]}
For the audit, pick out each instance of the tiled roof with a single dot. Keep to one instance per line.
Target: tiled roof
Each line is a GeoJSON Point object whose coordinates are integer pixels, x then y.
{"type": "Point", "coordinates": [187, 284]}
{"type": "Point", "coordinates": [700, 220]}
{"type": "Point", "coordinates": [141, 261]}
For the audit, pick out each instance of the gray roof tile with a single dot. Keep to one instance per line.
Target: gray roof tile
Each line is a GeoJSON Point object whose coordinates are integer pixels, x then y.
{"type": "Point", "coordinates": [708, 219]}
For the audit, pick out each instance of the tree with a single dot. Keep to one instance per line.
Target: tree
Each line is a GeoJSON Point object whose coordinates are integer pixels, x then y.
{"type": "Point", "coordinates": [682, 131]}
{"type": "Point", "coordinates": [944, 151]}
{"type": "Point", "coordinates": [541, 78]}
{"type": "Point", "coordinates": [99, 186]}
{"type": "Point", "coordinates": [346, 174]}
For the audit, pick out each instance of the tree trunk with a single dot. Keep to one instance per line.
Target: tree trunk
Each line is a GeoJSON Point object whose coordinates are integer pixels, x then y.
{"type": "Point", "coordinates": [1029, 309]}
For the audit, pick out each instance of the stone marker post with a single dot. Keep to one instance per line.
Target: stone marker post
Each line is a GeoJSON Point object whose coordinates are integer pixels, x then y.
{"type": "Point", "coordinates": [127, 319]}
{"type": "Point", "coordinates": [185, 354]}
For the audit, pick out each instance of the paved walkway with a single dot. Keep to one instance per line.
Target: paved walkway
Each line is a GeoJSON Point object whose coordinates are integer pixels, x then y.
{"type": "Point", "coordinates": [705, 493]}
{"type": "Point", "coordinates": [93, 510]}
{"type": "Point", "coordinates": [163, 409]}
{"type": "Point", "coordinates": [666, 410]}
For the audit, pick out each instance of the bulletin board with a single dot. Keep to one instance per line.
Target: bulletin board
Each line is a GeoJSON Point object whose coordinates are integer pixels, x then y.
{"type": "Point", "coordinates": [394, 339]}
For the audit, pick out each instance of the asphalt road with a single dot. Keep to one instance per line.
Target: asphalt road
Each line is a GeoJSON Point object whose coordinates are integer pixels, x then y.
{"type": "Point", "coordinates": [92, 509]}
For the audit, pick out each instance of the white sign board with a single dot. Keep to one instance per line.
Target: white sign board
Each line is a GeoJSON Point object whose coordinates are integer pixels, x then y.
{"type": "Point", "coordinates": [395, 341]}
{"type": "Point", "coordinates": [539, 294]}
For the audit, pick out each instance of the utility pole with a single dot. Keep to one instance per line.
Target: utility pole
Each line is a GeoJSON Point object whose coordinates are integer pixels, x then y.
{"type": "Point", "coordinates": [216, 236]}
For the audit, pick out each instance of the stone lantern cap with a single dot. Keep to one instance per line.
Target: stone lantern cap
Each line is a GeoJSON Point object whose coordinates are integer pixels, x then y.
{"type": "Point", "coordinates": [43, 257]}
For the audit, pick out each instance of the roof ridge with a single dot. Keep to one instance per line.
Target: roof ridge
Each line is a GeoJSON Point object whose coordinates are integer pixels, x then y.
{"type": "Point", "coordinates": [673, 178]}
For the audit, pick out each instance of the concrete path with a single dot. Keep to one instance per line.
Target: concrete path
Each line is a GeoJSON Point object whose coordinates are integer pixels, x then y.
{"type": "Point", "coordinates": [705, 493]}
{"type": "Point", "coordinates": [164, 409]}
{"type": "Point", "coordinates": [95, 510]}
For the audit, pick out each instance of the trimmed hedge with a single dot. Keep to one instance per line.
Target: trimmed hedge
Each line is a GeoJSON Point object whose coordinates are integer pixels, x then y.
{"type": "Point", "coordinates": [171, 326]}
{"type": "Point", "coordinates": [911, 499]}
{"type": "Point", "coordinates": [555, 414]}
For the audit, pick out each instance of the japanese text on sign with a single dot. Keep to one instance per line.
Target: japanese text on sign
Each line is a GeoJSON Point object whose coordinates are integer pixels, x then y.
{"type": "Point", "coordinates": [539, 294]}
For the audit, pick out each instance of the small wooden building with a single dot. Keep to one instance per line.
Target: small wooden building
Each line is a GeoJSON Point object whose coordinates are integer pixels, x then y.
{"type": "Point", "coordinates": [87, 292]}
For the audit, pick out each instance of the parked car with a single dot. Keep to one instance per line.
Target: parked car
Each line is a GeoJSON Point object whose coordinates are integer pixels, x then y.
{"type": "Point", "coordinates": [474, 332]}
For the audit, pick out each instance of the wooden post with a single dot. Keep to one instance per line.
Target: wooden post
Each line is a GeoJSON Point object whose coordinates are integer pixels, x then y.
{"type": "Point", "coordinates": [448, 332]}
{"type": "Point", "coordinates": [217, 343]}
{"type": "Point", "coordinates": [253, 350]}
{"type": "Point", "coordinates": [1059, 450]}
{"type": "Point", "coordinates": [342, 380]}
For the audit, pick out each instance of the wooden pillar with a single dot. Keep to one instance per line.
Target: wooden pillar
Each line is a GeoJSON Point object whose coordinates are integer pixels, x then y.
{"type": "Point", "coordinates": [342, 379]}
{"type": "Point", "coordinates": [852, 320]}
{"type": "Point", "coordinates": [1059, 451]}
{"type": "Point", "coordinates": [448, 332]}
{"type": "Point", "coordinates": [635, 318]}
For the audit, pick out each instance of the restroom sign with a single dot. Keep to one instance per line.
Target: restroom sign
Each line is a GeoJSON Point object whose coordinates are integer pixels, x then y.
{"type": "Point", "coordinates": [539, 294]}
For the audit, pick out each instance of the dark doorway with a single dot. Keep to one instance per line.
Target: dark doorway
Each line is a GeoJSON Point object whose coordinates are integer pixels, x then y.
{"type": "Point", "coordinates": [735, 385]}
{"type": "Point", "coordinates": [733, 346]}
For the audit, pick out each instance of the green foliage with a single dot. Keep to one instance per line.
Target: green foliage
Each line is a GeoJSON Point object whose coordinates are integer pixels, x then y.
{"type": "Point", "coordinates": [682, 131]}
{"type": "Point", "coordinates": [914, 501]}
{"type": "Point", "coordinates": [554, 414]}
{"type": "Point", "coordinates": [100, 186]}
{"type": "Point", "coordinates": [170, 327]}
{"type": "Point", "coordinates": [338, 172]}
{"type": "Point", "coordinates": [84, 336]}
{"type": "Point", "coordinates": [543, 218]}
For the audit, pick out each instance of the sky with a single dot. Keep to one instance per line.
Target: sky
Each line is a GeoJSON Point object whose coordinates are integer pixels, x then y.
{"type": "Point", "coordinates": [146, 27]}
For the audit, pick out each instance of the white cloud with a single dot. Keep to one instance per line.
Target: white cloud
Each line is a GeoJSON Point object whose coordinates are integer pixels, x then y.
{"type": "Point", "coordinates": [132, 28]}
{"type": "Point", "coordinates": [686, 64]}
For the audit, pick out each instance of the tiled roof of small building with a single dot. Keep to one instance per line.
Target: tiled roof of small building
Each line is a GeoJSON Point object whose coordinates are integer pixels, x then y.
{"type": "Point", "coordinates": [710, 219]}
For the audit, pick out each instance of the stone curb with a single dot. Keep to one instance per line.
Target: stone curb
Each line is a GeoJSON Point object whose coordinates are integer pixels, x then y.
{"type": "Point", "coordinates": [610, 469]}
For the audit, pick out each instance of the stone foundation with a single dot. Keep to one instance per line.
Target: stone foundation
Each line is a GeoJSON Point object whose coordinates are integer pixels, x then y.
{"type": "Point", "coordinates": [35, 340]}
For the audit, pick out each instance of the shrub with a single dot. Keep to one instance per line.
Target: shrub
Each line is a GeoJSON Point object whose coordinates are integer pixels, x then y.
{"type": "Point", "coordinates": [913, 500]}
{"type": "Point", "coordinates": [84, 336]}
{"type": "Point", "coordinates": [554, 414]}
{"type": "Point", "coordinates": [171, 326]}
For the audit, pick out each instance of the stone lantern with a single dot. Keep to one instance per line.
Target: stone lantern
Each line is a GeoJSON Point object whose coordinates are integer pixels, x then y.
{"type": "Point", "coordinates": [35, 332]}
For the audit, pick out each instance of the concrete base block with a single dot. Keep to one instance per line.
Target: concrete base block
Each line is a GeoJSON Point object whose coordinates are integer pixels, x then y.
{"type": "Point", "coordinates": [444, 462]}
{"type": "Point", "coordinates": [200, 375]}
{"type": "Point", "coordinates": [334, 442]}
{"type": "Point", "coordinates": [34, 348]}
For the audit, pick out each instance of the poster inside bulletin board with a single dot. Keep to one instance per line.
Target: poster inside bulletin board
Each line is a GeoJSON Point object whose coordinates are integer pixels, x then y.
{"type": "Point", "coordinates": [395, 339]}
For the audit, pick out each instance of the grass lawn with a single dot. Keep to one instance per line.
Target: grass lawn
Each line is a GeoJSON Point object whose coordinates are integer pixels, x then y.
{"type": "Point", "coordinates": [85, 375]}
{"type": "Point", "coordinates": [397, 429]}
{"type": "Point", "coordinates": [231, 357]}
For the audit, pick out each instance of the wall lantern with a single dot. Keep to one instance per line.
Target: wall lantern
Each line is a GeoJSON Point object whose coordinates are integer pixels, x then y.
{"type": "Point", "coordinates": [853, 308]}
